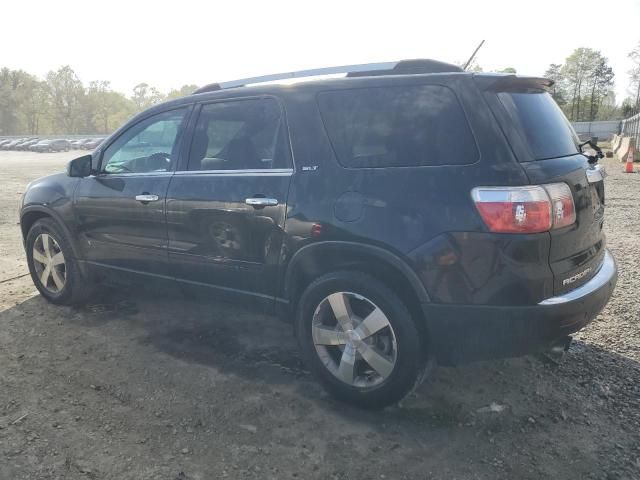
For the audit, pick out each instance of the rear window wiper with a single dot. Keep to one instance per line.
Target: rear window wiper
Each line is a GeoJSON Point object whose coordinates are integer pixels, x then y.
{"type": "Point", "coordinates": [592, 158]}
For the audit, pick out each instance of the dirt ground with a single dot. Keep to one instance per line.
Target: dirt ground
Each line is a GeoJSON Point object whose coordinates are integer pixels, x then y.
{"type": "Point", "coordinates": [136, 386]}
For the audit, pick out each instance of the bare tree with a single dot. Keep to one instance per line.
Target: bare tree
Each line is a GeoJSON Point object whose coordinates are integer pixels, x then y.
{"type": "Point", "coordinates": [601, 85]}
{"type": "Point", "coordinates": [144, 96]}
{"type": "Point", "coordinates": [66, 93]}
{"type": "Point", "coordinates": [554, 72]}
{"type": "Point", "coordinates": [587, 79]}
{"type": "Point", "coordinates": [34, 100]}
{"type": "Point", "coordinates": [634, 76]}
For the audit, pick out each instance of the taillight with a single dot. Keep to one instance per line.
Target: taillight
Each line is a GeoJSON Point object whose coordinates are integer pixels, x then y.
{"type": "Point", "coordinates": [563, 209]}
{"type": "Point", "coordinates": [513, 209]}
{"type": "Point", "coordinates": [529, 209]}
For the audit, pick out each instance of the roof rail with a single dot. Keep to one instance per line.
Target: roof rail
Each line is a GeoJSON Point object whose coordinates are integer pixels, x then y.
{"type": "Point", "coordinates": [403, 67]}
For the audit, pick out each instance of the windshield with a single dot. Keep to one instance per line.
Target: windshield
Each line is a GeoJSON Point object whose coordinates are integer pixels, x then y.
{"type": "Point", "coordinates": [540, 123]}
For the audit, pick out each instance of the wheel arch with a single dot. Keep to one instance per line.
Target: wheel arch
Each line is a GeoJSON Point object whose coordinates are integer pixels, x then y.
{"type": "Point", "coordinates": [320, 258]}
{"type": "Point", "coordinates": [31, 214]}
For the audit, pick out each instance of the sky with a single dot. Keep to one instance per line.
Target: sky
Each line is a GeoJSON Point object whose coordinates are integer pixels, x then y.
{"type": "Point", "coordinates": [169, 44]}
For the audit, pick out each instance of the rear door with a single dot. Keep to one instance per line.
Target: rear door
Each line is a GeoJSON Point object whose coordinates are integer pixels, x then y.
{"type": "Point", "coordinates": [226, 205]}
{"type": "Point", "coordinates": [547, 148]}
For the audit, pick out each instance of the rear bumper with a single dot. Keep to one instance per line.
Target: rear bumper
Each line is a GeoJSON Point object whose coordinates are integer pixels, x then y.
{"type": "Point", "coordinates": [463, 333]}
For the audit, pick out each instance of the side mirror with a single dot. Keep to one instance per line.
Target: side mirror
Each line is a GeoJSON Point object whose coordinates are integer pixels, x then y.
{"type": "Point", "coordinates": [80, 167]}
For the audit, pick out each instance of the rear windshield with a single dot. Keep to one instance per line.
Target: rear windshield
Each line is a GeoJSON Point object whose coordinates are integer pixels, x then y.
{"type": "Point", "coordinates": [402, 126]}
{"type": "Point", "coordinates": [544, 128]}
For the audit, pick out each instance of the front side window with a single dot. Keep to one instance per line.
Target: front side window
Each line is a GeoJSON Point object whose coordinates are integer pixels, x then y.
{"type": "Point", "coordinates": [400, 126]}
{"type": "Point", "coordinates": [239, 135]}
{"type": "Point", "coordinates": [148, 146]}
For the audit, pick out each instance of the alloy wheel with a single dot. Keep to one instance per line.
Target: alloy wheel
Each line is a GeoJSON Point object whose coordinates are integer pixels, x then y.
{"type": "Point", "coordinates": [354, 339]}
{"type": "Point", "coordinates": [49, 263]}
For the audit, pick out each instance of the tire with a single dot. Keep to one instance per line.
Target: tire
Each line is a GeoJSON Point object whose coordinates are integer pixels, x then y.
{"type": "Point", "coordinates": [75, 287]}
{"type": "Point", "coordinates": [365, 386]}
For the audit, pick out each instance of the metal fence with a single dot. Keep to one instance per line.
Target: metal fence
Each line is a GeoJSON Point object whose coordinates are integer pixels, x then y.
{"type": "Point", "coordinates": [601, 129]}
{"type": "Point", "coordinates": [631, 127]}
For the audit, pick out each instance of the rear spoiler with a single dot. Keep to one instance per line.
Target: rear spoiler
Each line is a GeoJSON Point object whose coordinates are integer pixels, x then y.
{"type": "Point", "coordinates": [499, 83]}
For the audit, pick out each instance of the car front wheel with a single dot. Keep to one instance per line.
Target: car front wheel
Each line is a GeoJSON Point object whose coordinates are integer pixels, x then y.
{"type": "Point", "coordinates": [359, 340]}
{"type": "Point", "coordinates": [52, 265]}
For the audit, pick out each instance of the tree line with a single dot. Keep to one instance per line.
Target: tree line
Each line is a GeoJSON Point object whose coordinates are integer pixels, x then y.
{"type": "Point", "coordinates": [584, 86]}
{"type": "Point", "coordinates": [61, 103]}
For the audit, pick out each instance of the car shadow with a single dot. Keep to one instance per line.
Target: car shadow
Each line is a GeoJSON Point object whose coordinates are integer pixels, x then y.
{"type": "Point", "coordinates": [507, 395]}
{"type": "Point", "coordinates": [262, 347]}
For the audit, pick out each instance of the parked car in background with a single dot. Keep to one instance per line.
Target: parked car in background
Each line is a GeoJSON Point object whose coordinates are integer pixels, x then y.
{"type": "Point", "coordinates": [26, 144]}
{"type": "Point", "coordinates": [59, 145]}
{"type": "Point", "coordinates": [4, 142]}
{"type": "Point", "coordinates": [78, 142]}
{"type": "Point", "coordinates": [33, 142]}
{"type": "Point", "coordinates": [83, 142]}
{"type": "Point", "coordinates": [92, 144]}
{"type": "Point", "coordinates": [12, 144]}
{"type": "Point", "coordinates": [41, 146]}
{"type": "Point", "coordinates": [16, 146]}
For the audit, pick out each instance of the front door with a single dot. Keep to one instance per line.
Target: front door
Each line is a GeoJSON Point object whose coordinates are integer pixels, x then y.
{"type": "Point", "coordinates": [121, 210]}
{"type": "Point", "coordinates": [226, 206]}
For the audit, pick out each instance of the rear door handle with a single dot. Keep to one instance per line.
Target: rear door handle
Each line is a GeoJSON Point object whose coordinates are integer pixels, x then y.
{"type": "Point", "coordinates": [145, 197]}
{"type": "Point", "coordinates": [261, 202]}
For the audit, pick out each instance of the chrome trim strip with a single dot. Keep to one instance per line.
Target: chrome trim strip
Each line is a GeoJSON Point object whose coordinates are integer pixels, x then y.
{"type": "Point", "coordinates": [132, 174]}
{"type": "Point", "coordinates": [267, 172]}
{"type": "Point", "coordinates": [600, 279]}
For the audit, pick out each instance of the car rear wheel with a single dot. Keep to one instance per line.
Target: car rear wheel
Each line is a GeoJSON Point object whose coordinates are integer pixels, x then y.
{"type": "Point", "coordinates": [53, 267]}
{"type": "Point", "coordinates": [359, 340]}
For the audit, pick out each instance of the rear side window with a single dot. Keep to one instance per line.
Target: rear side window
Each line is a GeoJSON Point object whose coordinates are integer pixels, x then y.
{"type": "Point", "coordinates": [541, 124]}
{"type": "Point", "coordinates": [397, 127]}
{"type": "Point", "coordinates": [239, 135]}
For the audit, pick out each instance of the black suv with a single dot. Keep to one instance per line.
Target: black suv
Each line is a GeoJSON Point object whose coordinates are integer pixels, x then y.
{"type": "Point", "coordinates": [408, 213]}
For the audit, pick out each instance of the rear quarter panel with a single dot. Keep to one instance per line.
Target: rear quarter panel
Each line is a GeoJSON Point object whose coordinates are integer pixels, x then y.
{"type": "Point", "coordinates": [405, 210]}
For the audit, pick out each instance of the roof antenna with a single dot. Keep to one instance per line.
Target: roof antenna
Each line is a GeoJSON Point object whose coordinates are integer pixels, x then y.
{"type": "Point", "coordinates": [466, 65]}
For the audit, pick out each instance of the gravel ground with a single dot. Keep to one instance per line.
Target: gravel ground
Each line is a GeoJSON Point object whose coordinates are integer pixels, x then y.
{"type": "Point", "coordinates": [136, 386]}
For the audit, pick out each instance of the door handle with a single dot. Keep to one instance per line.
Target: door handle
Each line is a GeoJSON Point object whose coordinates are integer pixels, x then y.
{"type": "Point", "coordinates": [261, 202]}
{"type": "Point", "coordinates": [145, 197]}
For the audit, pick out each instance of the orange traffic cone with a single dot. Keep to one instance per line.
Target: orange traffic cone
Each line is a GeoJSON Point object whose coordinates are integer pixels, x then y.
{"type": "Point", "coordinates": [628, 167]}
